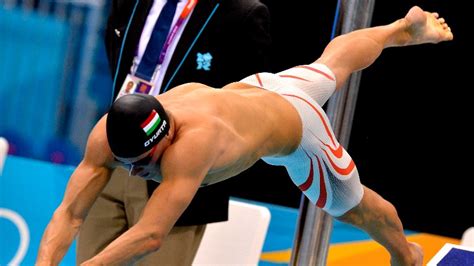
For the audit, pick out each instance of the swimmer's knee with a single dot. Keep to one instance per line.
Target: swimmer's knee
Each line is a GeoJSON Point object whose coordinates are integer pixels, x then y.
{"type": "Point", "coordinates": [372, 208]}
{"type": "Point", "coordinates": [353, 216]}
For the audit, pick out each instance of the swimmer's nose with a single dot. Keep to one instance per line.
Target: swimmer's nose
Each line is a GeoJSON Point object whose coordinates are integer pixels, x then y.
{"type": "Point", "coordinates": [137, 171]}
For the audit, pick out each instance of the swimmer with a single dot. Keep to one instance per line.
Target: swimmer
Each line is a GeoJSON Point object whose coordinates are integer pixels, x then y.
{"type": "Point", "coordinates": [220, 133]}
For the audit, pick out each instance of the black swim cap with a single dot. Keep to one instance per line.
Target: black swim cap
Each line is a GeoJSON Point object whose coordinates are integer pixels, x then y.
{"type": "Point", "coordinates": [135, 123]}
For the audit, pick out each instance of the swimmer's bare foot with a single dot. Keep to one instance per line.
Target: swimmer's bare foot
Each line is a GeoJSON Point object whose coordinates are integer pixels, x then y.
{"type": "Point", "coordinates": [425, 27]}
{"type": "Point", "coordinates": [416, 258]}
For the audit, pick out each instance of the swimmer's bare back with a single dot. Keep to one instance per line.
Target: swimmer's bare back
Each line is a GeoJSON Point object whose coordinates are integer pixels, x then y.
{"type": "Point", "coordinates": [245, 123]}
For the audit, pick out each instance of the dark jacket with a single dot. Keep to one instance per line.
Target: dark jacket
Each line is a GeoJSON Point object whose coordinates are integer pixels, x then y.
{"type": "Point", "coordinates": [235, 32]}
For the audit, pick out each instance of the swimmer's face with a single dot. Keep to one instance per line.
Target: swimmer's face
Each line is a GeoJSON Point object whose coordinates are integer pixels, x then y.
{"type": "Point", "coordinates": [148, 167]}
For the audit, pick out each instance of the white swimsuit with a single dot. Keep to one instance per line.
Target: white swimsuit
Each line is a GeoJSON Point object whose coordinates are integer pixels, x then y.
{"type": "Point", "coordinates": [320, 166]}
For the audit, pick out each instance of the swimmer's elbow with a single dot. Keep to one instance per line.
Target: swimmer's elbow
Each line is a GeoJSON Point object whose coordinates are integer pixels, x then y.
{"type": "Point", "coordinates": [63, 214]}
{"type": "Point", "coordinates": [154, 241]}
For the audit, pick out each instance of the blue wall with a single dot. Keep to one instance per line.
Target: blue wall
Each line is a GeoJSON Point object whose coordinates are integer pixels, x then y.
{"type": "Point", "coordinates": [32, 49]}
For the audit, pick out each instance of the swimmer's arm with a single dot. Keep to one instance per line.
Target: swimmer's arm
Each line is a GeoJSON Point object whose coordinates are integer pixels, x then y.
{"type": "Point", "coordinates": [182, 177]}
{"type": "Point", "coordinates": [85, 183]}
{"type": "Point", "coordinates": [162, 211]}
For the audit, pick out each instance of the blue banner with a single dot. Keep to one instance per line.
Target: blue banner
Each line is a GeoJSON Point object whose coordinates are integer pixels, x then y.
{"type": "Point", "coordinates": [30, 191]}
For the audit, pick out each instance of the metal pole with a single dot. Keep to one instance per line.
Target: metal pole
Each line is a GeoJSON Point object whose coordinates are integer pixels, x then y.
{"type": "Point", "coordinates": [314, 225]}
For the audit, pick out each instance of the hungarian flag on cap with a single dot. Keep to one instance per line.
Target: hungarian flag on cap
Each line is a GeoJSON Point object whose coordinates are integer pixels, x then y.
{"type": "Point", "coordinates": [150, 124]}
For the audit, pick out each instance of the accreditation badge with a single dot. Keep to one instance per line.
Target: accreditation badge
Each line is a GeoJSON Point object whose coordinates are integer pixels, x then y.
{"type": "Point", "coordinates": [143, 87]}
{"type": "Point", "coordinates": [133, 84]}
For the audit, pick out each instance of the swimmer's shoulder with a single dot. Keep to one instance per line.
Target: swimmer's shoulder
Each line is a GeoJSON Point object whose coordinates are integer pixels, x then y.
{"type": "Point", "coordinates": [98, 151]}
{"type": "Point", "coordinates": [189, 87]}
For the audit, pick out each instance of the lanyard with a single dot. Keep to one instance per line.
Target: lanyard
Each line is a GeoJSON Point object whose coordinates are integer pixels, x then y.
{"type": "Point", "coordinates": [184, 15]}
{"type": "Point", "coordinates": [148, 67]}
{"type": "Point", "coordinates": [132, 79]}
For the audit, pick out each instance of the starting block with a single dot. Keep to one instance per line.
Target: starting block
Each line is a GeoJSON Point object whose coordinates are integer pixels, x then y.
{"type": "Point", "coordinates": [453, 255]}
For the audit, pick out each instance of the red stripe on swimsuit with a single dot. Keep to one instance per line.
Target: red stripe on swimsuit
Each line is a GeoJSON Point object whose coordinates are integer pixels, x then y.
{"type": "Point", "coordinates": [317, 71]}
